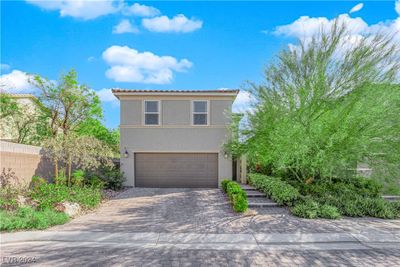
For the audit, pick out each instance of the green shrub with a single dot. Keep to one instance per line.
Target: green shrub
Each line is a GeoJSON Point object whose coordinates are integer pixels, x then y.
{"type": "Point", "coordinates": [49, 194]}
{"type": "Point", "coordinates": [8, 198]}
{"type": "Point", "coordinates": [236, 195]}
{"type": "Point", "coordinates": [280, 191]}
{"type": "Point", "coordinates": [328, 212]}
{"type": "Point", "coordinates": [233, 188]}
{"type": "Point", "coordinates": [61, 178]}
{"type": "Point", "coordinates": [94, 181]}
{"type": "Point", "coordinates": [78, 177]}
{"type": "Point", "coordinates": [392, 188]}
{"type": "Point", "coordinates": [358, 206]}
{"type": "Point", "coordinates": [224, 184]}
{"type": "Point", "coordinates": [113, 177]}
{"type": "Point", "coordinates": [28, 218]}
{"type": "Point", "coordinates": [364, 186]}
{"type": "Point", "coordinates": [239, 201]}
{"type": "Point", "coordinates": [380, 208]}
{"type": "Point", "coordinates": [396, 206]}
{"type": "Point", "coordinates": [306, 209]}
{"type": "Point", "coordinates": [350, 205]}
{"type": "Point", "coordinates": [37, 181]}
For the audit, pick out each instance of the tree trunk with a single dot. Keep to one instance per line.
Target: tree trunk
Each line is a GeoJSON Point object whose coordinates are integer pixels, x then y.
{"type": "Point", "coordinates": [69, 170]}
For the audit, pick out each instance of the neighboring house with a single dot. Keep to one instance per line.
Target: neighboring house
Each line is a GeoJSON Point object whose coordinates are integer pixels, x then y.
{"type": "Point", "coordinates": [11, 127]}
{"type": "Point", "coordinates": [175, 138]}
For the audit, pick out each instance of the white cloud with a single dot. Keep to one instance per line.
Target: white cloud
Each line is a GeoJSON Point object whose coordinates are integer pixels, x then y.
{"type": "Point", "coordinates": [4, 67]}
{"type": "Point", "coordinates": [16, 82]}
{"type": "Point", "coordinates": [125, 26]}
{"type": "Point", "coordinates": [91, 9]}
{"type": "Point", "coordinates": [397, 6]}
{"type": "Point", "coordinates": [304, 28]}
{"type": "Point", "coordinates": [356, 8]}
{"type": "Point", "coordinates": [391, 27]}
{"type": "Point", "coordinates": [82, 9]}
{"type": "Point", "coordinates": [140, 10]}
{"type": "Point", "coordinates": [243, 102]}
{"type": "Point", "coordinates": [91, 59]}
{"type": "Point", "coordinates": [129, 65]}
{"type": "Point", "coordinates": [179, 23]}
{"type": "Point", "coordinates": [106, 96]}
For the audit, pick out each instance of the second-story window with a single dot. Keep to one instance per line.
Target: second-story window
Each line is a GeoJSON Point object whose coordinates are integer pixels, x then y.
{"type": "Point", "coordinates": [151, 112]}
{"type": "Point", "coordinates": [200, 112]}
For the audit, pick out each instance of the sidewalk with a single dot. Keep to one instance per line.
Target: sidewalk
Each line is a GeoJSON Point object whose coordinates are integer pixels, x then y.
{"type": "Point", "coordinates": [297, 241]}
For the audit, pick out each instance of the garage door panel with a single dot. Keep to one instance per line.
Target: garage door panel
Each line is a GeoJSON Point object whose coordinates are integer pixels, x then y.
{"type": "Point", "coordinates": [176, 169]}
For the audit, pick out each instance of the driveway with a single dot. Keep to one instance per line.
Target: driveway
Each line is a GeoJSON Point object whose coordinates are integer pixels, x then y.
{"type": "Point", "coordinates": [186, 227]}
{"type": "Point", "coordinates": [164, 210]}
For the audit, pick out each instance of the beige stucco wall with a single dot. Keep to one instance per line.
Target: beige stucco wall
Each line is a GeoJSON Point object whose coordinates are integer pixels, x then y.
{"type": "Point", "coordinates": [175, 134]}
{"type": "Point", "coordinates": [131, 112]}
{"type": "Point", "coordinates": [175, 112]}
{"type": "Point", "coordinates": [220, 112]}
{"type": "Point", "coordinates": [25, 161]}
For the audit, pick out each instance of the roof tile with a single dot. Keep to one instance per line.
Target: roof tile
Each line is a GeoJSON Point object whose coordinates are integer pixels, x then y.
{"type": "Point", "coordinates": [118, 90]}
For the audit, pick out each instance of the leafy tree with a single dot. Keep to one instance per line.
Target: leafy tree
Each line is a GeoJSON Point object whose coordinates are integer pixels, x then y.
{"type": "Point", "coordinates": [67, 104]}
{"type": "Point", "coordinates": [324, 106]}
{"type": "Point", "coordinates": [8, 106]}
{"type": "Point", "coordinates": [22, 120]}
{"type": "Point", "coordinates": [94, 127]}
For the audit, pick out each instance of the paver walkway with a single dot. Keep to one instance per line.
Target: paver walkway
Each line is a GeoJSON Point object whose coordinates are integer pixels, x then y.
{"type": "Point", "coordinates": [184, 227]}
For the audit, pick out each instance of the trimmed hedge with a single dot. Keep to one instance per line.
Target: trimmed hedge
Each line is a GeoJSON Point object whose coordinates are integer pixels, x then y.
{"type": "Point", "coordinates": [236, 195]}
{"type": "Point", "coordinates": [280, 191]}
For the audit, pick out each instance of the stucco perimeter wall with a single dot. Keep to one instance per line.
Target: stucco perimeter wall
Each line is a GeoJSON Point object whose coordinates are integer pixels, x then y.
{"type": "Point", "coordinates": [25, 161]}
{"type": "Point", "coordinates": [161, 139]}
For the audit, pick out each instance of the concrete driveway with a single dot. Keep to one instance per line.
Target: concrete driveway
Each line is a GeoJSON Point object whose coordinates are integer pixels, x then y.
{"type": "Point", "coordinates": [179, 227]}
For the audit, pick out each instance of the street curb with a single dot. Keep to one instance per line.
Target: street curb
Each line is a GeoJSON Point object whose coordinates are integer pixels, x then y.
{"type": "Point", "coordinates": [196, 241]}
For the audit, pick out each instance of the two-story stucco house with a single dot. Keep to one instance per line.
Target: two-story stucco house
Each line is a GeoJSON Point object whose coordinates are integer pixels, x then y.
{"type": "Point", "coordinates": [175, 138]}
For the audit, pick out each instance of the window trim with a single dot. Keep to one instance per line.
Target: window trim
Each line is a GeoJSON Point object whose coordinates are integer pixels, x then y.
{"type": "Point", "coordinates": [144, 112]}
{"type": "Point", "coordinates": [192, 113]}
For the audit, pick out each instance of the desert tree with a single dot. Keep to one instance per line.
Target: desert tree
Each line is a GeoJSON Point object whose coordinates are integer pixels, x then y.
{"type": "Point", "coordinates": [324, 105]}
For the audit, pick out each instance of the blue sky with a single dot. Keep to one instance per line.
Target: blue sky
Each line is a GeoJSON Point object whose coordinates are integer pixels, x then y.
{"type": "Point", "coordinates": [165, 45]}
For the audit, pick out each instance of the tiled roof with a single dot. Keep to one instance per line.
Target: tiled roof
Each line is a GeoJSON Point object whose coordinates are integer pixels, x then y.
{"type": "Point", "coordinates": [118, 90]}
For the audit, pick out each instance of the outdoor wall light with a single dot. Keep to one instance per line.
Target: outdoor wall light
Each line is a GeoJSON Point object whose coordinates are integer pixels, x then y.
{"type": "Point", "coordinates": [126, 154]}
{"type": "Point", "coordinates": [226, 155]}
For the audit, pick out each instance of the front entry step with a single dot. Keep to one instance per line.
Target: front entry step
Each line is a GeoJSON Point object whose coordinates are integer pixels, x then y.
{"type": "Point", "coordinates": [247, 187]}
{"type": "Point", "coordinates": [255, 194]}
{"type": "Point", "coordinates": [257, 199]}
{"type": "Point", "coordinates": [261, 205]}
{"type": "Point", "coordinates": [258, 202]}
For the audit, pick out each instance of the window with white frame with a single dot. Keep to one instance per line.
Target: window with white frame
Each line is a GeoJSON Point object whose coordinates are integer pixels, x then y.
{"type": "Point", "coordinates": [151, 112]}
{"type": "Point", "coordinates": [200, 112]}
